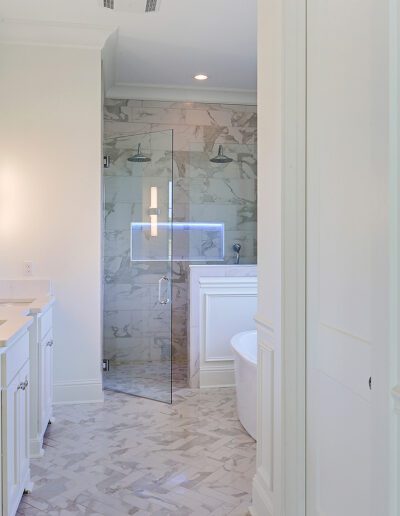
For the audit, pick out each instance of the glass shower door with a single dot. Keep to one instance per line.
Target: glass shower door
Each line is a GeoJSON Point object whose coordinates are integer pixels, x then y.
{"type": "Point", "coordinates": [138, 265]}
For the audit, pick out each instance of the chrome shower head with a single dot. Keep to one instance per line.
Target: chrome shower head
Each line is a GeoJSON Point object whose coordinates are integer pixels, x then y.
{"type": "Point", "coordinates": [139, 157]}
{"type": "Point", "coordinates": [220, 157]}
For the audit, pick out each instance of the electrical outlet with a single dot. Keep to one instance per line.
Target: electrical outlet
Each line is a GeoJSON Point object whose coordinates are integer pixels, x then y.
{"type": "Point", "coordinates": [28, 268]}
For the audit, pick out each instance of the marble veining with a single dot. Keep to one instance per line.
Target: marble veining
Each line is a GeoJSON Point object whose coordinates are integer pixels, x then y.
{"type": "Point", "coordinates": [136, 456]}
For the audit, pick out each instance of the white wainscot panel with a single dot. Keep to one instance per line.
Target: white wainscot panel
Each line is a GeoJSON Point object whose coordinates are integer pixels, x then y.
{"type": "Point", "coordinates": [227, 307]}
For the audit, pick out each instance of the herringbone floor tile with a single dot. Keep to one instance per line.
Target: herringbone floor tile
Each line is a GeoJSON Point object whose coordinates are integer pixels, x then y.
{"type": "Point", "coordinates": [136, 456]}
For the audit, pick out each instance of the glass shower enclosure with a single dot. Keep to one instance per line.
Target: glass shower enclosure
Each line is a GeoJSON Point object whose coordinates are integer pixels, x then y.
{"type": "Point", "coordinates": [138, 218]}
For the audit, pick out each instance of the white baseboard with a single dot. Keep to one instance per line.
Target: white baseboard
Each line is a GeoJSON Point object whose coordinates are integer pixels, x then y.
{"type": "Point", "coordinates": [36, 448]}
{"type": "Point", "coordinates": [261, 504]}
{"type": "Point", "coordinates": [85, 391]}
{"type": "Point", "coordinates": [217, 377]}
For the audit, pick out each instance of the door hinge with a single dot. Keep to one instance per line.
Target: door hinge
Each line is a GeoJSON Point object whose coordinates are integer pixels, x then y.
{"type": "Point", "coordinates": [106, 161]}
{"type": "Point", "coordinates": [106, 364]}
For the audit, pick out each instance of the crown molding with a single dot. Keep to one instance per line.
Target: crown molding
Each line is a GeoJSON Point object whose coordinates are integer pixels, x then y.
{"type": "Point", "coordinates": [42, 33]}
{"type": "Point", "coordinates": [172, 93]}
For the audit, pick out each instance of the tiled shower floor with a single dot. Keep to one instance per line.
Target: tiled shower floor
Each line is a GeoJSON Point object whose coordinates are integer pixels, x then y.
{"type": "Point", "coordinates": [136, 456]}
{"type": "Point", "coordinates": [150, 380]}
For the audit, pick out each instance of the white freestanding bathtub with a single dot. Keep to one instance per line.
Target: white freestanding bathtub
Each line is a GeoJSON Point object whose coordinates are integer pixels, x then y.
{"type": "Point", "coordinates": [244, 346]}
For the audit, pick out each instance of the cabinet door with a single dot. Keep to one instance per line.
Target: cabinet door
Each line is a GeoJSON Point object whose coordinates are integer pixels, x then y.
{"type": "Point", "coordinates": [15, 414]}
{"type": "Point", "coordinates": [23, 424]}
{"type": "Point", "coordinates": [11, 420]}
{"type": "Point", "coordinates": [46, 371]}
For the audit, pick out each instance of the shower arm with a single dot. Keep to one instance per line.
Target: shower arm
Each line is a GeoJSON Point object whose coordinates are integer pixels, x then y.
{"type": "Point", "coordinates": [237, 247]}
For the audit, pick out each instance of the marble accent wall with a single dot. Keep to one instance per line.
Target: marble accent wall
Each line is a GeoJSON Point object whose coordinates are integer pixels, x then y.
{"type": "Point", "coordinates": [135, 327]}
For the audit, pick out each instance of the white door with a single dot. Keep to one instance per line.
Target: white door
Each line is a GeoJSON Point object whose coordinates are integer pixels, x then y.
{"type": "Point", "coordinates": [346, 250]}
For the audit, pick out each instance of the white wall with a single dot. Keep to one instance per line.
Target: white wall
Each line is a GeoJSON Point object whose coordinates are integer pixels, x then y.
{"type": "Point", "coordinates": [50, 195]}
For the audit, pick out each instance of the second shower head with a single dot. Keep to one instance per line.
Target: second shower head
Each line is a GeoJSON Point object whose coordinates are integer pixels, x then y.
{"type": "Point", "coordinates": [220, 157]}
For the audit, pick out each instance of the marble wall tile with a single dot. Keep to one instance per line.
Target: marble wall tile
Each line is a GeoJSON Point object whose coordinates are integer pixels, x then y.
{"type": "Point", "coordinates": [124, 134]}
{"type": "Point", "coordinates": [158, 115]}
{"type": "Point", "coordinates": [160, 348]}
{"type": "Point", "coordinates": [118, 215]}
{"type": "Point", "coordinates": [202, 192]}
{"type": "Point", "coordinates": [127, 296]}
{"type": "Point", "coordinates": [117, 243]}
{"type": "Point", "coordinates": [128, 350]}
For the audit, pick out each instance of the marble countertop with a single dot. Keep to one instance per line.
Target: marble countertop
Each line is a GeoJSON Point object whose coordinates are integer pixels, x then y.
{"type": "Point", "coordinates": [15, 315]}
{"type": "Point", "coordinates": [12, 325]}
{"type": "Point", "coordinates": [28, 305]}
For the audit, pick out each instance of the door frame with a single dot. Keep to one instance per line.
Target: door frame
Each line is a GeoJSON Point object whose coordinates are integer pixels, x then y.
{"type": "Point", "coordinates": [393, 373]}
{"type": "Point", "coordinates": [279, 483]}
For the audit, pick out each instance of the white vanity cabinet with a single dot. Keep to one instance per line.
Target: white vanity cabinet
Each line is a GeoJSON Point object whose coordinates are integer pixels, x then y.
{"type": "Point", "coordinates": [15, 380]}
{"type": "Point", "coordinates": [41, 370]}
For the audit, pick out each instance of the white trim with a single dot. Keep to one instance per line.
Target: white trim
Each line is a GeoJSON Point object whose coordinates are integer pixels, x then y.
{"type": "Point", "coordinates": [64, 35]}
{"type": "Point", "coordinates": [80, 391]}
{"type": "Point", "coordinates": [265, 325]}
{"type": "Point", "coordinates": [396, 399]}
{"type": "Point", "coordinates": [394, 192]}
{"type": "Point", "coordinates": [174, 93]}
{"type": "Point", "coordinates": [294, 260]}
{"type": "Point", "coordinates": [279, 483]}
{"type": "Point", "coordinates": [217, 370]}
{"type": "Point", "coordinates": [262, 504]}
{"type": "Point", "coordinates": [36, 449]}
{"type": "Point", "coordinates": [229, 281]}
{"type": "Point", "coordinates": [220, 376]}
{"type": "Point", "coordinates": [200, 276]}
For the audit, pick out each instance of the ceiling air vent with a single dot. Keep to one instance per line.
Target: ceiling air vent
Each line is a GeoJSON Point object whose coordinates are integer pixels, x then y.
{"type": "Point", "coordinates": [151, 6]}
{"type": "Point", "coordinates": [131, 6]}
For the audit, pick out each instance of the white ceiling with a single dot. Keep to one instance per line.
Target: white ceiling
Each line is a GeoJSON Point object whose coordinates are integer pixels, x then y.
{"type": "Point", "coordinates": [184, 38]}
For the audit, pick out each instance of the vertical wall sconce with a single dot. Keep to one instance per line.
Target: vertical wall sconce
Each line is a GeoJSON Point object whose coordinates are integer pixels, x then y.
{"type": "Point", "coordinates": [154, 211]}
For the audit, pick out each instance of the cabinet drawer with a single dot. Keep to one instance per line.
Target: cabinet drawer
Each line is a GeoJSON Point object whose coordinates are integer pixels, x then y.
{"type": "Point", "coordinates": [14, 358]}
{"type": "Point", "coordinates": [45, 323]}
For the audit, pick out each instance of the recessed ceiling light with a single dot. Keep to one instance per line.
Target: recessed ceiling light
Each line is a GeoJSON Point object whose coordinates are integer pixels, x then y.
{"type": "Point", "coordinates": [200, 77]}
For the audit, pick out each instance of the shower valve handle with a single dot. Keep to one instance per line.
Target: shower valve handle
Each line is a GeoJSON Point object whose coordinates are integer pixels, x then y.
{"type": "Point", "coordinates": [165, 300]}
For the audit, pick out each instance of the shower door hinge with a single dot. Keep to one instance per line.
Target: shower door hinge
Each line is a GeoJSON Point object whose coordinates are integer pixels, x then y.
{"type": "Point", "coordinates": [106, 161]}
{"type": "Point", "coordinates": [106, 364]}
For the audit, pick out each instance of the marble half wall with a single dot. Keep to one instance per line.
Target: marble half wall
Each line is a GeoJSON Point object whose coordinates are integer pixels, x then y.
{"type": "Point", "coordinates": [136, 327]}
